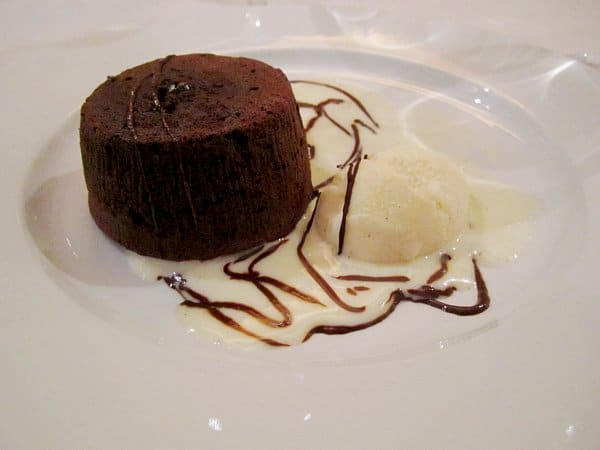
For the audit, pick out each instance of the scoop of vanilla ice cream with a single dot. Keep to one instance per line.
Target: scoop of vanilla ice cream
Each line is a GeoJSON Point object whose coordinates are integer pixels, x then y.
{"type": "Point", "coordinates": [405, 203]}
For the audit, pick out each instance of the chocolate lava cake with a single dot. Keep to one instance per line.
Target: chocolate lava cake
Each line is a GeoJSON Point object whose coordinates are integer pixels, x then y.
{"type": "Point", "coordinates": [195, 156]}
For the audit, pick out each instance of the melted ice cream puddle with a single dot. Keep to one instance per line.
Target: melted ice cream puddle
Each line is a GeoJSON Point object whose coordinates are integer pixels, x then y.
{"type": "Point", "coordinates": [499, 224]}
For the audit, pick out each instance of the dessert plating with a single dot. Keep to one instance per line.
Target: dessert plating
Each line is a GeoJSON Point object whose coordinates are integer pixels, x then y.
{"type": "Point", "coordinates": [310, 283]}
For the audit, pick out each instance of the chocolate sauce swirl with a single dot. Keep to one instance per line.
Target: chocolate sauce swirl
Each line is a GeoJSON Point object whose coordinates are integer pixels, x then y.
{"type": "Point", "coordinates": [268, 286]}
{"type": "Point", "coordinates": [344, 92]}
{"type": "Point", "coordinates": [442, 270]}
{"type": "Point", "coordinates": [385, 278]}
{"type": "Point", "coordinates": [351, 178]}
{"type": "Point", "coordinates": [195, 299]}
{"type": "Point", "coordinates": [320, 110]}
{"type": "Point", "coordinates": [262, 281]}
{"type": "Point", "coordinates": [356, 149]}
{"type": "Point", "coordinates": [353, 160]}
{"type": "Point", "coordinates": [314, 273]}
{"type": "Point", "coordinates": [427, 295]}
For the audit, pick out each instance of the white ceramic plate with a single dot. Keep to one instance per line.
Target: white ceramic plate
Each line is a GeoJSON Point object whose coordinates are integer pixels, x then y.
{"type": "Point", "coordinates": [93, 357]}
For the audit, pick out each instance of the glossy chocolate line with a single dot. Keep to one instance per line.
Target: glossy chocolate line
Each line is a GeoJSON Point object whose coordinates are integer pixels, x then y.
{"type": "Point", "coordinates": [355, 100]}
{"type": "Point", "coordinates": [444, 258]}
{"type": "Point", "coordinates": [351, 177]}
{"type": "Point", "coordinates": [364, 125]}
{"type": "Point", "coordinates": [430, 298]}
{"type": "Point", "coordinates": [354, 159]}
{"type": "Point", "coordinates": [442, 270]}
{"type": "Point", "coordinates": [277, 304]}
{"type": "Point", "coordinates": [483, 297]}
{"type": "Point", "coordinates": [336, 123]}
{"type": "Point", "coordinates": [233, 324]}
{"type": "Point", "coordinates": [253, 276]}
{"type": "Point", "coordinates": [356, 149]}
{"type": "Point", "coordinates": [430, 293]}
{"type": "Point", "coordinates": [201, 301]}
{"type": "Point", "coordinates": [387, 278]}
{"type": "Point", "coordinates": [320, 112]}
{"type": "Point", "coordinates": [345, 329]}
{"type": "Point", "coordinates": [240, 307]}
{"type": "Point", "coordinates": [289, 289]}
{"type": "Point", "coordinates": [325, 286]}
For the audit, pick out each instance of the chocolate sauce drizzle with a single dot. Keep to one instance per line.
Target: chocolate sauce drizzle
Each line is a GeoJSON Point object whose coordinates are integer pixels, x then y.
{"type": "Point", "coordinates": [426, 294]}
{"type": "Point", "coordinates": [356, 153]}
{"type": "Point", "coordinates": [314, 273]}
{"type": "Point", "coordinates": [354, 290]}
{"type": "Point", "coordinates": [350, 179]}
{"type": "Point", "coordinates": [442, 270]}
{"type": "Point", "coordinates": [344, 92]}
{"type": "Point", "coordinates": [355, 157]}
{"type": "Point", "coordinates": [429, 295]}
{"type": "Point", "coordinates": [195, 299]}
{"type": "Point", "coordinates": [321, 112]}
{"type": "Point", "coordinates": [386, 278]}
{"type": "Point", "coordinates": [261, 282]}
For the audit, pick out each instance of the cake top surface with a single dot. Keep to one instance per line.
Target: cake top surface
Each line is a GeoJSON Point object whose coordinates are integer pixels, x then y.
{"type": "Point", "coordinates": [186, 96]}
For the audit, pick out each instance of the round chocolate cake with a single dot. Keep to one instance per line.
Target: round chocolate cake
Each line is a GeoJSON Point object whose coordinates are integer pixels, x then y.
{"type": "Point", "coordinates": [195, 156]}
